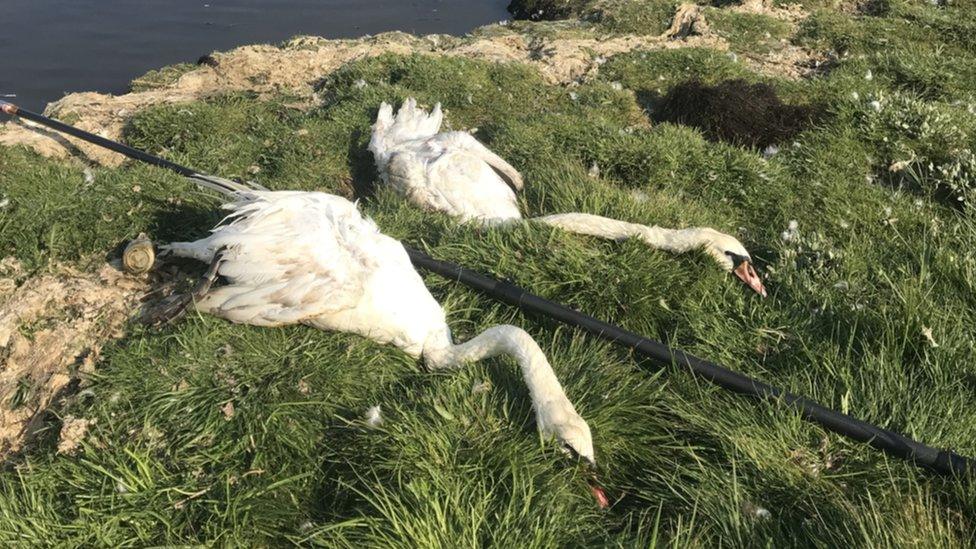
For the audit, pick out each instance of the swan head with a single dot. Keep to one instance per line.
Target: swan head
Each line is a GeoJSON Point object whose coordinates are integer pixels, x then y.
{"type": "Point", "coordinates": [734, 258]}
{"type": "Point", "coordinates": [576, 440]}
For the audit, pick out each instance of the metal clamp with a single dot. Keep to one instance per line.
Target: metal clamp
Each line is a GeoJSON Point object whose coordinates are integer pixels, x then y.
{"type": "Point", "coordinates": [8, 108]}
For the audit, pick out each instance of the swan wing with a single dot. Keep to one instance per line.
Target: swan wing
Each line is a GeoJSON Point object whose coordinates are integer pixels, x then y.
{"type": "Point", "coordinates": [290, 256]}
{"type": "Point", "coordinates": [467, 142]}
{"type": "Point", "coordinates": [455, 182]}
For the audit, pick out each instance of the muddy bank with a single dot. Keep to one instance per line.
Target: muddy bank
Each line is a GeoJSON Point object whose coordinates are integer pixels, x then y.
{"type": "Point", "coordinates": [52, 328]}
{"type": "Point", "coordinates": [563, 54]}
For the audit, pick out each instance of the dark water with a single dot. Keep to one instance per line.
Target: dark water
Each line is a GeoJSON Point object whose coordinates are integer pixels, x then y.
{"type": "Point", "coordinates": [52, 47]}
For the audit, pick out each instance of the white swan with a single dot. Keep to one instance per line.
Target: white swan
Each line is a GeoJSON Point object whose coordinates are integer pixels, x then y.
{"type": "Point", "coordinates": [453, 172]}
{"type": "Point", "coordinates": [311, 258]}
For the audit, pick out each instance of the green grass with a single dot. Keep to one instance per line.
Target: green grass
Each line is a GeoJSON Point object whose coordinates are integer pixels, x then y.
{"type": "Point", "coordinates": [160, 77]}
{"type": "Point", "coordinates": [878, 257]}
{"type": "Point", "coordinates": [748, 32]}
{"type": "Point", "coordinates": [651, 17]}
{"type": "Point", "coordinates": [634, 16]}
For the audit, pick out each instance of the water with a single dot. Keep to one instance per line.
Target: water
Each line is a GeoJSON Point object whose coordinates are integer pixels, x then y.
{"type": "Point", "coordinates": [52, 47]}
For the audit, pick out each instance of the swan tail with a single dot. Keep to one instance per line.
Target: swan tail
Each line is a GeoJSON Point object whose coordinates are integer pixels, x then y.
{"type": "Point", "coordinates": [411, 122]}
{"type": "Point", "coordinates": [414, 120]}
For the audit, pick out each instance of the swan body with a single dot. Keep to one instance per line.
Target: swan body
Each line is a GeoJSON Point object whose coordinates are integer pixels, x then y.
{"type": "Point", "coordinates": [312, 258]}
{"type": "Point", "coordinates": [452, 172]}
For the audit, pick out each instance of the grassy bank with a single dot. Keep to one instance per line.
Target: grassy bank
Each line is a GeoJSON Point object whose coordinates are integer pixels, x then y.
{"type": "Point", "coordinates": [861, 221]}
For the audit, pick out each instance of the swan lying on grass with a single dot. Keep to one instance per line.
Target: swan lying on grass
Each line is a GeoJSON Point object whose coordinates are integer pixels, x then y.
{"type": "Point", "coordinates": [311, 258]}
{"type": "Point", "coordinates": [452, 172]}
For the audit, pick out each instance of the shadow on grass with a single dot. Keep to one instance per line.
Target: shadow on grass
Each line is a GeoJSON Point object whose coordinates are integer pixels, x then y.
{"type": "Point", "coordinates": [361, 167]}
{"type": "Point", "coordinates": [733, 111]}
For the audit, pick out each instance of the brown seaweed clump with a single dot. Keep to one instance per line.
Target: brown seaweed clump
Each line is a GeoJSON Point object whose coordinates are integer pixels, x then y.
{"type": "Point", "coordinates": [52, 328]}
{"type": "Point", "coordinates": [735, 111]}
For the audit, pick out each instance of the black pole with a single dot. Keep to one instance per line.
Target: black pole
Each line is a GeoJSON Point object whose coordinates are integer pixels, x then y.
{"type": "Point", "coordinates": [942, 461]}
{"type": "Point", "coordinates": [135, 154]}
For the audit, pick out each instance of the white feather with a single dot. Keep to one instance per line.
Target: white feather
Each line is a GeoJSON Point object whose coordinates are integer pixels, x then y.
{"type": "Point", "coordinates": [374, 416]}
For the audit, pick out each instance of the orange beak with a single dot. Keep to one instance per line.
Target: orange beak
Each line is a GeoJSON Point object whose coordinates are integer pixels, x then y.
{"type": "Point", "coordinates": [748, 276]}
{"type": "Point", "coordinates": [599, 494]}
{"type": "Point", "coordinates": [601, 497]}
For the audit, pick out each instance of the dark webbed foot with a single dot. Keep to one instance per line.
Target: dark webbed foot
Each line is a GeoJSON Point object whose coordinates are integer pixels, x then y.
{"type": "Point", "coordinates": [175, 306]}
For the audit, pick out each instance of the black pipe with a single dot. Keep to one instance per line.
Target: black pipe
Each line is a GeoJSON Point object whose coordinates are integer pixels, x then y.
{"type": "Point", "coordinates": [942, 461]}
{"type": "Point", "coordinates": [135, 154]}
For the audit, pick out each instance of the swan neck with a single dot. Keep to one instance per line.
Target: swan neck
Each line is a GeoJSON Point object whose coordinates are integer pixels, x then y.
{"type": "Point", "coordinates": [673, 240]}
{"type": "Point", "coordinates": [499, 340]}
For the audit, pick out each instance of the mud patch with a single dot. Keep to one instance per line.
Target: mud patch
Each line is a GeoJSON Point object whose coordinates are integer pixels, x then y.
{"type": "Point", "coordinates": [792, 62]}
{"type": "Point", "coordinates": [792, 13]}
{"type": "Point", "coordinates": [51, 330]}
{"type": "Point", "coordinates": [73, 431]}
{"type": "Point", "coordinates": [10, 271]}
{"type": "Point", "coordinates": [688, 20]}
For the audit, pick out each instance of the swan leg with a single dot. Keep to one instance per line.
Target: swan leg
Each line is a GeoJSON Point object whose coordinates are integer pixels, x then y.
{"type": "Point", "coordinates": [174, 307]}
{"type": "Point", "coordinates": [198, 250]}
{"type": "Point", "coordinates": [555, 414]}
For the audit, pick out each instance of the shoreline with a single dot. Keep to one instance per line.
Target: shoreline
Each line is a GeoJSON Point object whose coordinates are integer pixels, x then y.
{"type": "Point", "coordinates": [566, 52]}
